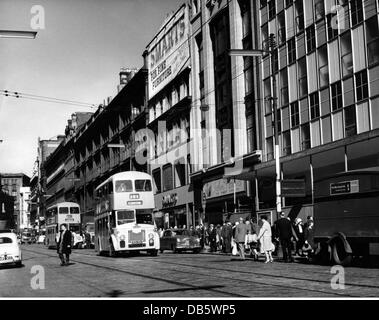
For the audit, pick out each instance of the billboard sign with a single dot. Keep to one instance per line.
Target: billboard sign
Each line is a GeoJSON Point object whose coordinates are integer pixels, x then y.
{"type": "Point", "coordinates": [344, 187]}
{"type": "Point", "coordinates": [168, 53]}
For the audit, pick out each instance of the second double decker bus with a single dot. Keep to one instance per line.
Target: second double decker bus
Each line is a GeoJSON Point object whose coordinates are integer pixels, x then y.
{"type": "Point", "coordinates": [124, 214]}
{"type": "Point", "coordinates": [64, 212]}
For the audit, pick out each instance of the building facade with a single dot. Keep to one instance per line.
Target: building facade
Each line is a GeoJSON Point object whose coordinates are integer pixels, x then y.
{"type": "Point", "coordinates": [326, 66]}
{"type": "Point", "coordinates": [12, 184]}
{"type": "Point", "coordinates": [169, 114]}
{"type": "Point", "coordinates": [108, 142]}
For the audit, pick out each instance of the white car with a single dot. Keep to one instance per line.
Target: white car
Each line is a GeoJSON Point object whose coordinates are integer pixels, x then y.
{"type": "Point", "coordinates": [41, 239]}
{"type": "Point", "coordinates": [10, 252]}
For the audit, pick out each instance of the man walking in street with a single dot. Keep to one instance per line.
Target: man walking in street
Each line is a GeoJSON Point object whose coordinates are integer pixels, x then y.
{"type": "Point", "coordinates": [284, 232]}
{"type": "Point", "coordinates": [240, 234]}
{"type": "Point", "coordinates": [64, 245]}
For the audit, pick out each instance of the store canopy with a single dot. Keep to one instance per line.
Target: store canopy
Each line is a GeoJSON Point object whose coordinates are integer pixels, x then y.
{"type": "Point", "coordinates": [240, 174]}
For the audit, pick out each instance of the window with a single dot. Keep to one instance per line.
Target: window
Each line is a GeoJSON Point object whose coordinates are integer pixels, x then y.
{"type": "Point", "coordinates": [346, 54]}
{"type": "Point", "coordinates": [295, 118]}
{"type": "Point", "coordinates": [319, 9]}
{"type": "Point", "coordinates": [323, 66]}
{"type": "Point", "coordinates": [74, 210]}
{"type": "Point", "coordinates": [284, 87]}
{"type": "Point", "coordinates": [350, 121]}
{"type": "Point", "coordinates": [311, 39]}
{"type": "Point", "coordinates": [302, 74]}
{"type": "Point", "coordinates": [124, 186]}
{"type": "Point", "coordinates": [275, 61]}
{"type": "Point", "coordinates": [144, 216]}
{"type": "Point", "coordinates": [142, 185]}
{"type": "Point", "coordinates": [291, 51]}
{"type": "Point", "coordinates": [180, 174]}
{"type": "Point", "coordinates": [336, 96]}
{"type": "Point", "coordinates": [299, 15]}
{"type": "Point", "coordinates": [361, 85]}
{"type": "Point", "coordinates": [167, 178]}
{"type": "Point", "coordinates": [356, 12]}
{"type": "Point", "coordinates": [251, 146]}
{"type": "Point", "coordinates": [286, 143]}
{"type": "Point", "coordinates": [372, 35]}
{"type": "Point", "coordinates": [270, 148]}
{"type": "Point", "coordinates": [63, 210]}
{"type": "Point", "coordinates": [157, 180]}
{"type": "Point", "coordinates": [332, 30]}
{"type": "Point", "coordinates": [279, 120]}
{"type": "Point", "coordinates": [281, 29]}
{"type": "Point", "coordinates": [125, 216]}
{"type": "Point", "coordinates": [314, 105]}
{"type": "Point", "coordinates": [271, 9]}
{"type": "Point", "coordinates": [5, 240]}
{"type": "Point", "coordinates": [305, 137]}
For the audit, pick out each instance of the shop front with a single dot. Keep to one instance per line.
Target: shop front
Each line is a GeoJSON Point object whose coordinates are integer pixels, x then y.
{"type": "Point", "coordinates": [174, 208]}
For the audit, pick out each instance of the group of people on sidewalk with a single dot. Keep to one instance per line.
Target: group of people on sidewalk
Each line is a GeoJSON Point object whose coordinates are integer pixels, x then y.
{"type": "Point", "coordinates": [260, 238]}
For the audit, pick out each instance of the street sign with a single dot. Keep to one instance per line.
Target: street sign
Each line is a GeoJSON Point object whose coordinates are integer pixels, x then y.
{"type": "Point", "coordinates": [293, 188]}
{"type": "Point", "coordinates": [344, 187]}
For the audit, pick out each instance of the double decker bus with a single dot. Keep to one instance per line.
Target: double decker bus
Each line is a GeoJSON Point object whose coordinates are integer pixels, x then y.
{"type": "Point", "coordinates": [124, 215]}
{"type": "Point", "coordinates": [64, 212]}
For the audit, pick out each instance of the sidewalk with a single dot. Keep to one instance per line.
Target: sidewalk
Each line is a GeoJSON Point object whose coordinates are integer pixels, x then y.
{"type": "Point", "coordinates": [279, 258]}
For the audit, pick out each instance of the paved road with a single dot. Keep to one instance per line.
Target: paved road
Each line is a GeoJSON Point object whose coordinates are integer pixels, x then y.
{"type": "Point", "coordinates": [177, 275]}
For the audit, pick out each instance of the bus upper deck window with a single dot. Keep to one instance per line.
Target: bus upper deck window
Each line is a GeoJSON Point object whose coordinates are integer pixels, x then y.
{"type": "Point", "coordinates": [63, 210]}
{"type": "Point", "coordinates": [143, 185]}
{"type": "Point", "coordinates": [74, 210]}
{"type": "Point", "coordinates": [124, 186]}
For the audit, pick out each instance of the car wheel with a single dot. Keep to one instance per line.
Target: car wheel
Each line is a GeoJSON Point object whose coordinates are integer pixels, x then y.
{"type": "Point", "coordinates": [19, 264]}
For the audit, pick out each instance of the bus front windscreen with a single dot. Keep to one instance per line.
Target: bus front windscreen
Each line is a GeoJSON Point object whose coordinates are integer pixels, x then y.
{"type": "Point", "coordinates": [143, 185]}
{"type": "Point", "coordinates": [125, 216]}
{"type": "Point", "coordinates": [74, 210]}
{"type": "Point", "coordinates": [144, 216]}
{"type": "Point", "coordinates": [124, 186]}
{"type": "Point", "coordinates": [63, 210]}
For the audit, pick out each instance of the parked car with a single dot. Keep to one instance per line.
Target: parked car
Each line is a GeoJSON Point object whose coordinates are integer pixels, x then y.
{"type": "Point", "coordinates": [10, 252]}
{"type": "Point", "coordinates": [179, 240]}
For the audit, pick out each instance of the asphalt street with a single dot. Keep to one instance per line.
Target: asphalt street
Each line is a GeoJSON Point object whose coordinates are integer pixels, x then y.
{"type": "Point", "coordinates": [177, 275]}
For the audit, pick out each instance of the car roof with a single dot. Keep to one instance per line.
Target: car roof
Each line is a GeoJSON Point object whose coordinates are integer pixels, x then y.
{"type": "Point", "coordinates": [8, 234]}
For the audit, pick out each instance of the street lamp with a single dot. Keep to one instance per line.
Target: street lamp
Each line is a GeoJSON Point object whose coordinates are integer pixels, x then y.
{"type": "Point", "coordinates": [259, 53]}
{"type": "Point", "coordinates": [18, 34]}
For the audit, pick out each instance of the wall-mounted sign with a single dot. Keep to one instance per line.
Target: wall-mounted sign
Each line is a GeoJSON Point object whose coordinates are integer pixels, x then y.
{"type": "Point", "coordinates": [169, 200]}
{"type": "Point", "coordinates": [344, 187]}
{"type": "Point", "coordinates": [169, 51]}
{"type": "Point", "coordinates": [294, 188]}
{"type": "Point", "coordinates": [222, 187]}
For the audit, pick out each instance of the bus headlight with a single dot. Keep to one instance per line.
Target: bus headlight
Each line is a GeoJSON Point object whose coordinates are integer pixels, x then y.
{"type": "Point", "coordinates": [151, 235]}
{"type": "Point", "coordinates": [122, 237]}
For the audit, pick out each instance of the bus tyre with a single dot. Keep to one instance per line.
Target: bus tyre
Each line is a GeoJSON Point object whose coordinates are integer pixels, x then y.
{"type": "Point", "coordinates": [339, 254]}
{"type": "Point", "coordinates": [153, 253]}
{"type": "Point", "coordinates": [161, 250]}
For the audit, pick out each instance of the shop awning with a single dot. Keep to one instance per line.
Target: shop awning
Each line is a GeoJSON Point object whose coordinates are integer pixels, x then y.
{"type": "Point", "coordinates": [240, 174]}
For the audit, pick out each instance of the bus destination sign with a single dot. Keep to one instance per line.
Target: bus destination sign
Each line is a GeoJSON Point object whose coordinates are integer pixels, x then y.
{"type": "Point", "coordinates": [345, 187]}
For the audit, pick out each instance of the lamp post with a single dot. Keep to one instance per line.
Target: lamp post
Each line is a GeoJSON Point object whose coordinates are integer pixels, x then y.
{"type": "Point", "coordinates": [259, 53]}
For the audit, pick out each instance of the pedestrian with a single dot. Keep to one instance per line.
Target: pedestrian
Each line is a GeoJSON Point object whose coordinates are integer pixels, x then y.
{"type": "Point", "coordinates": [212, 236]}
{"type": "Point", "coordinates": [309, 244]}
{"type": "Point", "coordinates": [64, 245]}
{"type": "Point", "coordinates": [240, 234]}
{"type": "Point", "coordinates": [218, 237]}
{"type": "Point", "coordinates": [265, 236]}
{"type": "Point", "coordinates": [87, 237]}
{"type": "Point", "coordinates": [228, 237]}
{"type": "Point", "coordinates": [299, 230]}
{"type": "Point", "coordinates": [251, 244]}
{"type": "Point", "coordinates": [284, 233]}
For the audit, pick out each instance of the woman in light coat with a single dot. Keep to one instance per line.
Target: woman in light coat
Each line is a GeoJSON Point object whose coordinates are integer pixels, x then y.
{"type": "Point", "coordinates": [264, 237]}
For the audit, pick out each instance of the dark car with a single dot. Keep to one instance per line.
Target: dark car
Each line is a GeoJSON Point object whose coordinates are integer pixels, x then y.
{"type": "Point", "coordinates": [179, 240]}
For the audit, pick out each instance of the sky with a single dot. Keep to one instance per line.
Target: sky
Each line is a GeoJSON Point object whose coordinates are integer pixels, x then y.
{"type": "Point", "coordinates": [77, 57]}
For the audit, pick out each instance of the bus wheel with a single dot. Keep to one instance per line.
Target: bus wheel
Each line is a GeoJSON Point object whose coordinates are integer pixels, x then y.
{"type": "Point", "coordinates": [161, 250]}
{"type": "Point", "coordinates": [112, 252]}
{"type": "Point", "coordinates": [154, 253]}
{"type": "Point", "coordinates": [340, 256]}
